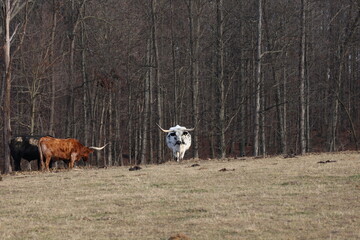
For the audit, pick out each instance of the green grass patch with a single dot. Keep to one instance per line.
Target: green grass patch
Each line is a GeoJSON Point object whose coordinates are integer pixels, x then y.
{"type": "Point", "coordinates": [355, 177]}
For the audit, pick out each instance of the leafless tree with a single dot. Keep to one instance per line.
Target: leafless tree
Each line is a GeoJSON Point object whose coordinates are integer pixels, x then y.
{"type": "Point", "coordinates": [10, 10]}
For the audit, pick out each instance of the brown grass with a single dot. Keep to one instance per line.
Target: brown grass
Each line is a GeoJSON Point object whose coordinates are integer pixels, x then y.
{"type": "Point", "coordinates": [271, 198]}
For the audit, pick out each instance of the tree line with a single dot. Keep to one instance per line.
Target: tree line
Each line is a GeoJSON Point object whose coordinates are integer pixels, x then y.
{"type": "Point", "coordinates": [253, 77]}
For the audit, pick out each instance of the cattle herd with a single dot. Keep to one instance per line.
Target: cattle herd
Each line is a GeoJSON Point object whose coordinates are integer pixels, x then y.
{"type": "Point", "coordinates": [47, 149]}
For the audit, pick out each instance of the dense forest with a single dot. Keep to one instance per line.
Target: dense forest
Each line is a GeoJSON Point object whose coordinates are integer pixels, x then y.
{"type": "Point", "coordinates": [253, 77]}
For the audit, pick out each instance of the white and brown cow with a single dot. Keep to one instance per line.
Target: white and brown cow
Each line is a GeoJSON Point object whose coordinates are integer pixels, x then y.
{"type": "Point", "coordinates": [178, 139]}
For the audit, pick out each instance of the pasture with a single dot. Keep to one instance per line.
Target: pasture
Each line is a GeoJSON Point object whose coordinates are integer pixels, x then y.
{"type": "Point", "coordinates": [305, 197]}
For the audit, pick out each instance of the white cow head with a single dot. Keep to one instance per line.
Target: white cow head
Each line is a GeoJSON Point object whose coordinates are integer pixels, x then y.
{"type": "Point", "coordinates": [178, 140]}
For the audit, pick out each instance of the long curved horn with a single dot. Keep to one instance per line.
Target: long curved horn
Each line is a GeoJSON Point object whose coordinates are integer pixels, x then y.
{"type": "Point", "coordinates": [99, 148]}
{"type": "Point", "coordinates": [190, 129]}
{"type": "Point", "coordinates": [163, 129]}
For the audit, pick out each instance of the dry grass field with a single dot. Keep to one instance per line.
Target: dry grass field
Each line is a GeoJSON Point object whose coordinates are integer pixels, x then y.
{"type": "Point", "coordinates": [267, 198]}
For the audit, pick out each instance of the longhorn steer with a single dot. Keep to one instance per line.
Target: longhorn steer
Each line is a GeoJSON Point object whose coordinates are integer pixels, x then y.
{"type": "Point", "coordinates": [60, 149]}
{"type": "Point", "coordinates": [25, 147]}
{"type": "Point", "coordinates": [178, 139]}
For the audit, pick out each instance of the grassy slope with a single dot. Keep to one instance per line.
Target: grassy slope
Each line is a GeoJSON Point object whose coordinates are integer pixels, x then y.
{"type": "Point", "coordinates": [272, 198]}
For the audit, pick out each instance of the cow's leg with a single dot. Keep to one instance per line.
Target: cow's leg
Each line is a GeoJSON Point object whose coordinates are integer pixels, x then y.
{"type": "Point", "coordinates": [47, 163]}
{"type": "Point", "coordinates": [41, 168]}
{"type": "Point", "coordinates": [39, 163]}
{"type": "Point", "coordinates": [29, 165]}
{"type": "Point", "coordinates": [17, 161]}
{"type": "Point", "coordinates": [70, 164]}
{"type": "Point", "coordinates": [182, 155]}
{"type": "Point", "coordinates": [42, 165]}
{"type": "Point", "coordinates": [51, 163]}
{"type": "Point", "coordinates": [72, 160]}
{"type": "Point", "coordinates": [67, 163]}
{"type": "Point", "coordinates": [177, 156]}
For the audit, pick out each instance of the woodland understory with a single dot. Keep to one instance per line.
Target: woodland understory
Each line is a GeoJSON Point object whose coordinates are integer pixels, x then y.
{"type": "Point", "coordinates": [253, 77]}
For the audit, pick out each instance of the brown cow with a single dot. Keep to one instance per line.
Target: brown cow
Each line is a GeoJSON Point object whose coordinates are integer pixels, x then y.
{"type": "Point", "coordinates": [63, 149]}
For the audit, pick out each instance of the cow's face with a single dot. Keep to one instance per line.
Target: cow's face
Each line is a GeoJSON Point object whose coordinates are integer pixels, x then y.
{"type": "Point", "coordinates": [178, 141]}
{"type": "Point", "coordinates": [85, 153]}
{"type": "Point", "coordinates": [178, 138]}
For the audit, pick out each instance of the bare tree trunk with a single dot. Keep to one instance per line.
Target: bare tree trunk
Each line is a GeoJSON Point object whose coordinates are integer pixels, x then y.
{"type": "Point", "coordinates": [76, 14]}
{"type": "Point", "coordinates": [52, 62]}
{"type": "Point", "coordinates": [279, 114]}
{"type": "Point", "coordinates": [93, 112]}
{"type": "Point", "coordinates": [33, 94]}
{"type": "Point", "coordinates": [2, 93]}
{"type": "Point", "coordinates": [284, 115]}
{"type": "Point", "coordinates": [335, 113]}
{"type": "Point", "coordinates": [151, 107]}
{"type": "Point", "coordinates": [258, 84]}
{"type": "Point", "coordinates": [212, 132]}
{"type": "Point", "coordinates": [302, 79]}
{"type": "Point", "coordinates": [240, 100]}
{"type": "Point", "coordinates": [102, 130]}
{"type": "Point", "coordinates": [173, 53]}
{"type": "Point", "coordinates": [262, 123]}
{"type": "Point", "coordinates": [52, 50]}
{"type": "Point", "coordinates": [130, 124]}
{"type": "Point", "coordinates": [7, 98]}
{"type": "Point", "coordinates": [194, 25]}
{"type": "Point", "coordinates": [10, 10]}
{"type": "Point", "coordinates": [220, 77]}
{"type": "Point", "coordinates": [346, 37]}
{"type": "Point", "coordinates": [85, 91]}
{"type": "Point", "coordinates": [242, 115]}
{"type": "Point", "coordinates": [353, 132]}
{"type": "Point", "coordinates": [157, 78]}
{"type": "Point", "coordinates": [280, 137]}
{"type": "Point", "coordinates": [110, 126]}
{"type": "Point", "coordinates": [70, 91]}
{"type": "Point", "coordinates": [145, 122]}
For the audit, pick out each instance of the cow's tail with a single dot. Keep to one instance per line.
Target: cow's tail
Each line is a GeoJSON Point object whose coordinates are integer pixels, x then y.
{"type": "Point", "coordinates": [41, 167]}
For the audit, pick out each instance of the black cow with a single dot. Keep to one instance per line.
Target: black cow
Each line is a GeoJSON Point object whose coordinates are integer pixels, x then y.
{"type": "Point", "coordinates": [25, 147]}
